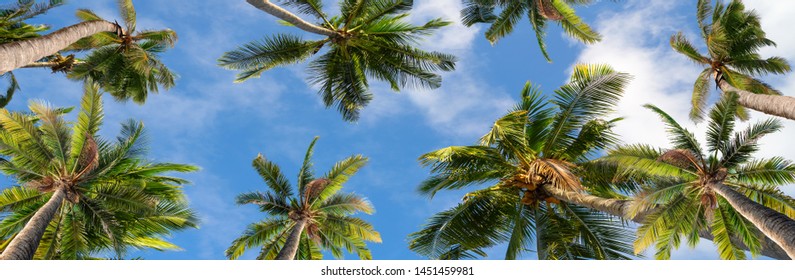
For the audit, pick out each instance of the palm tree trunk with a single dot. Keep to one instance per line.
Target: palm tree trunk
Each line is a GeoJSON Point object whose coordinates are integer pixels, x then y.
{"type": "Point", "coordinates": [20, 53]}
{"type": "Point", "coordinates": [279, 12]}
{"type": "Point", "coordinates": [615, 207]}
{"type": "Point", "coordinates": [620, 208]}
{"type": "Point", "coordinates": [291, 244]}
{"type": "Point", "coordinates": [776, 105]}
{"type": "Point", "coordinates": [777, 226]}
{"type": "Point", "coordinates": [26, 242]}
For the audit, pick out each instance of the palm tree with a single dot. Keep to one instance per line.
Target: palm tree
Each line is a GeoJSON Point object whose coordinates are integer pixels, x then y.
{"type": "Point", "coordinates": [123, 62]}
{"type": "Point", "coordinates": [80, 194]}
{"type": "Point", "coordinates": [538, 11]}
{"type": "Point", "coordinates": [530, 156]}
{"type": "Point", "coordinates": [318, 217]}
{"type": "Point", "coordinates": [17, 37]}
{"type": "Point", "coordinates": [721, 189]}
{"type": "Point", "coordinates": [370, 39]}
{"type": "Point", "coordinates": [13, 28]}
{"type": "Point", "coordinates": [733, 40]}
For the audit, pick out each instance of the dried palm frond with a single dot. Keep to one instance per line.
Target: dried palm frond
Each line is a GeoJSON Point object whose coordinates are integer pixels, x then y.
{"type": "Point", "coordinates": [46, 184]}
{"type": "Point", "coordinates": [555, 172]}
{"type": "Point", "coordinates": [89, 157]}
{"type": "Point", "coordinates": [548, 11]}
{"type": "Point", "coordinates": [314, 187]}
{"type": "Point", "coordinates": [679, 157]}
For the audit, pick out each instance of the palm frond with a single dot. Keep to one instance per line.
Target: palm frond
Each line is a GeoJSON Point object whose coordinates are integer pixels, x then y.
{"type": "Point", "coordinates": [775, 170]}
{"type": "Point", "coordinates": [679, 136]}
{"type": "Point", "coordinates": [593, 91]}
{"type": "Point", "coordinates": [681, 45]}
{"type": "Point", "coordinates": [504, 23]}
{"type": "Point", "coordinates": [12, 88]}
{"type": "Point", "coordinates": [339, 174]}
{"type": "Point", "coordinates": [127, 14]}
{"type": "Point", "coordinates": [721, 122]}
{"type": "Point", "coordinates": [476, 12]}
{"type": "Point", "coordinates": [573, 24]}
{"type": "Point", "coordinates": [478, 222]}
{"type": "Point", "coordinates": [310, 7]}
{"type": "Point", "coordinates": [256, 57]}
{"type": "Point", "coordinates": [744, 143]}
{"type": "Point", "coordinates": [700, 97]}
{"type": "Point", "coordinates": [273, 176]}
{"type": "Point", "coordinates": [256, 235]}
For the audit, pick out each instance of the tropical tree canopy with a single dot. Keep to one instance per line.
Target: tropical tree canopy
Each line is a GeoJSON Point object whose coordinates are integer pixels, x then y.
{"type": "Point", "coordinates": [682, 202]}
{"type": "Point", "coordinates": [107, 197]}
{"type": "Point", "coordinates": [733, 37]}
{"type": "Point", "coordinates": [538, 146]}
{"type": "Point", "coordinates": [367, 40]}
{"type": "Point", "coordinates": [537, 11]}
{"type": "Point", "coordinates": [122, 60]}
{"type": "Point", "coordinates": [312, 217]}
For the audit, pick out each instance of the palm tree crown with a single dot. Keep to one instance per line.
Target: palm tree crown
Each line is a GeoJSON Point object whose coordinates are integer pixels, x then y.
{"type": "Point", "coordinates": [530, 154]}
{"type": "Point", "coordinates": [733, 37]}
{"type": "Point", "coordinates": [538, 11]}
{"type": "Point", "coordinates": [317, 217]}
{"type": "Point", "coordinates": [684, 202]}
{"type": "Point", "coordinates": [370, 39]}
{"type": "Point", "coordinates": [125, 63]}
{"type": "Point", "coordinates": [79, 194]}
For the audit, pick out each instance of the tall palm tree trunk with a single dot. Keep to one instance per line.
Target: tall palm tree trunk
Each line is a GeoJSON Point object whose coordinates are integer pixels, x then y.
{"type": "Point", "coordinates": [26, 242]}
{"type": "Point", "coordinates": [279, 12]}
{"type": "Point", "coordinates": [620, 208]}
{"type": "Point", "coordinates": [777, 226]}
{"type": "Point", "coordinates": [291, 244]}
{"type": "Point", "coordinates": [776, 105]}
{"type": "Point", "coordinates": [20, 53]}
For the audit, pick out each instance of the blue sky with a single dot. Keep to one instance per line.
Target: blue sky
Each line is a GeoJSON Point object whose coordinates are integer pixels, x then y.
{"type": "Point", "coordinates": [211, 122]}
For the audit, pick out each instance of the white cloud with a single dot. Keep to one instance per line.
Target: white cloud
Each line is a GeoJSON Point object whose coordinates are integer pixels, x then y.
{"type": "Point", "coordinates": [660, 76]}
{"type": "Point", "coordinates": [453, 38]}
{"type": "Point", "coordinates": [465, 105]}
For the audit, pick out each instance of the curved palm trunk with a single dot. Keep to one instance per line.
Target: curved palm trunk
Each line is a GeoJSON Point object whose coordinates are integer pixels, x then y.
{"type": "Point", "coordinates": [620, 208]}
{"type": "Point", "coordinates": [777, 226]}
{"type": "Point", "coordinates": [27, 241]}
{"type": "Point", "coordinates": [615, 207]}
{"type": "Point", "coordinates": [279, 12]}
{"type": "Point", "coordinates": [291, 245]}
{"type": "Point", "coordinates": [21, 53]}
{"type": "Point", "coordinates": [776, 105]}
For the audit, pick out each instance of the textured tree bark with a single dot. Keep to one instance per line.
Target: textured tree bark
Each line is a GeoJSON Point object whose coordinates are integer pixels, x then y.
{"type": "Point", "coordinates": [291, 244]}
{"type": "Point", "coordinates": [777, 226]}
{"type": "Point", "coordinates": [26, 242]}
{"type": "Point", "coordinates": [21, 53]}
{"type": "Point", "coordinates": [776, 105]}
{"type": "Point", "coordinates": [40, 65]}
{"type": "Point", "coordinates": [615, 207]}
{"type": "Point", "coordinates": [279, 12]}
{"type": "Point", "coordinates": [620, 208]}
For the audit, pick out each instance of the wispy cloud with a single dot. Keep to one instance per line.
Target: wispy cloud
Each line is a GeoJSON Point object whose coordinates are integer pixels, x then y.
{"type": "Point", "coordinates": [466, 104]}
